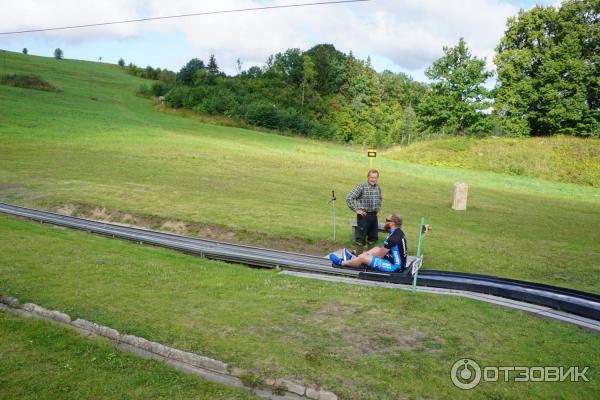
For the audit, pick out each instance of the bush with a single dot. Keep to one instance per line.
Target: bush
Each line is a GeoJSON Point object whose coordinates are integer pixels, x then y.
{"type": "Point", "coordinates": [159, 88]}
{"type": "Point", "coordinates": [262, 114]}
{"type": "Point", "coordinates": [143, 90]}
{"type": "Point", "coordinates": [28, 82]}
{"type": "Point", "coordinates": [177, 97]}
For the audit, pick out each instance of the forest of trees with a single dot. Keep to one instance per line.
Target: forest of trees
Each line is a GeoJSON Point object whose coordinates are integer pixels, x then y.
{"type": "Point", "coordinates": [548, 82]}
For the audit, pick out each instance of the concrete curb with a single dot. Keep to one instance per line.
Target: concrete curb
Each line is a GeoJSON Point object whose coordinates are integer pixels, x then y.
{"type": "Point", "coordinates": [208, 368]}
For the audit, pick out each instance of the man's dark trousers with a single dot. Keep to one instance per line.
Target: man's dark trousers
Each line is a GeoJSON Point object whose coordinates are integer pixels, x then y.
{"type": "Point", "coordinates": [367, 226]}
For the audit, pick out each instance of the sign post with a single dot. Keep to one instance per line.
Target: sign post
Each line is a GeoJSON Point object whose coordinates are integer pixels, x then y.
{"type": "Point", "coordinates": [332, 201]}
{"type": "Point", "coordinates": [371, 153]}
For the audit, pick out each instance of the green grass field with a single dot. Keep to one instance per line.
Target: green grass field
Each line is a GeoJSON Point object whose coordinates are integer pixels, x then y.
{"type": "Point", "coordinates": [557, 158]}
{"type": "Point", "coordinates": [360, 342]}
{"type": "Point", "coordinates": [68, 366]}
{"type": "Point", "coordinates": [95, 149]}
{"type": "Point", "coordinates": [97, 145]}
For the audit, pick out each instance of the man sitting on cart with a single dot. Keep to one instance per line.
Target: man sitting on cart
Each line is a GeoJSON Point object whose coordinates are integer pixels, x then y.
{"type": "Point", "coordinates": [389, 258]}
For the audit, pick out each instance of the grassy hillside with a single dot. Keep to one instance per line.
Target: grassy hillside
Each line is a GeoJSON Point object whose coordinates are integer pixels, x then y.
{"type": "Point", "coordinates": [558, 158]}
{"type": "Point", "coordinates": [360, 342]}
{"type": "Point", "coordinates": [67, 366]}
{"type": "Point", "coordinates": [97, 148]}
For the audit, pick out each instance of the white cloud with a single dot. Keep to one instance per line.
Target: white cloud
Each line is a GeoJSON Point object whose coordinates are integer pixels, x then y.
{"type": "Point", "coordinates": [31, 14]}
{"type": "Point", "coordinates": [408, 33]}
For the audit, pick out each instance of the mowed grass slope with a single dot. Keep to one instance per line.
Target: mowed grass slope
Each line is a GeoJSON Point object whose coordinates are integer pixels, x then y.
{"type": "Point", "coordinates": [97, 144]}
{"type": "Point", "coordinates": [556, 158]}
{"type": "Point", "coordinates": [43, 361]}
{"type": "Point", "coordinates": [360, 342]}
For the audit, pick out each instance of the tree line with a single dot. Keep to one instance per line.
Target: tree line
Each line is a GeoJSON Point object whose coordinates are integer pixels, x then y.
{"type": "Point", "coordinates": [548, 82]}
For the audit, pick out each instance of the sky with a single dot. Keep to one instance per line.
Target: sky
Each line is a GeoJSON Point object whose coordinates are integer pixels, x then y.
{"type": "Point", "coordinates": [398, 35]}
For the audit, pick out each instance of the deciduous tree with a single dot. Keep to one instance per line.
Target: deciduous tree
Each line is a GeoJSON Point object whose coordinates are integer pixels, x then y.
{"type": "Point", "coordinates": [548, 66]}
{"type": "Point", "coordinates": [457, 99]}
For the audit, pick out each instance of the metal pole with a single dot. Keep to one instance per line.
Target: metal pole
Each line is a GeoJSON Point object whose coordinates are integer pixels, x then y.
{"type": "Point", "coordinates": [419, 250]}
{"type": "Point", "coordinates": [332, 201]}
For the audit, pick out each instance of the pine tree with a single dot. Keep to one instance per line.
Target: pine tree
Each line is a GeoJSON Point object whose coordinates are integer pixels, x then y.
{"type": "Point", "coordinates": [212, 67]}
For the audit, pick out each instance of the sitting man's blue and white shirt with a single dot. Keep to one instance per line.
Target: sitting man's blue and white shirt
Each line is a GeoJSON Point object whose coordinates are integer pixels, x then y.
{"type": "Point", "coordinates": [396, 257]}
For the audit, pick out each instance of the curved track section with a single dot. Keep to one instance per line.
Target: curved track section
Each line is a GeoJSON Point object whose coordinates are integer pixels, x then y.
{"type": "Point", "coordinates": [566, 300]}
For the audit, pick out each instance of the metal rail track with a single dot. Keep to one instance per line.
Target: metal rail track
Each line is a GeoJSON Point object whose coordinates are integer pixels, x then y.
{"type": "Point", "coordinates": [563, 299]}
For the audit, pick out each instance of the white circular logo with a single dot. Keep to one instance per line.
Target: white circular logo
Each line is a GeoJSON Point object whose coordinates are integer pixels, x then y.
{"type": "Point", "coordinates": [465, 374]}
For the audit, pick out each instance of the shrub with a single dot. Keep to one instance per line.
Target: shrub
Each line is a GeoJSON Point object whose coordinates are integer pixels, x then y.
{"type": "Point", "coordinates": [159, 89]}
{"type": "Point", "coordinates": [28, 82]}
{"type": "Point", "coordinates": [143, 90]}
{"type": "Point", "coordinates": [262, 114]}
{"type": "Point", "coordinates": [177, 97]}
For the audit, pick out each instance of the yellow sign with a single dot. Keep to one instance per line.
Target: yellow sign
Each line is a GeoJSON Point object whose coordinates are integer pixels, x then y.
{"type": "Point", "coordinates": [371, 153]}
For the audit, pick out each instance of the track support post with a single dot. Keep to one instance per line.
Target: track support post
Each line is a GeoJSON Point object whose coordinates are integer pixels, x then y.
{"type": "Point", "coordinates": [419, 261]}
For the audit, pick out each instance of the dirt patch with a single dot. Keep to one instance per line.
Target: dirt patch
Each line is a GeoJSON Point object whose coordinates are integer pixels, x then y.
{"type": "Point", "coordinates": [195, 228]}
{"type": "Point", "coordinates": [67, 209]}
{"type": "Point", "coordinates": [178, 227]}
{"type": "Point", "coordinates": [368, 333]}
{"type": "Point", "coordinates": [10, 192]}
{"type": "Point", "coordinates": [373, 343]}
{"type": "Point", "coordinates": [334, 309]}
{"type": "Point", "coordinates": [101, 213]}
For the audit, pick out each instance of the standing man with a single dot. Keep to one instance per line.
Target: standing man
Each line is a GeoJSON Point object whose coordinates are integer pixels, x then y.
{"type": "Point", "coordinates": [365, 200]}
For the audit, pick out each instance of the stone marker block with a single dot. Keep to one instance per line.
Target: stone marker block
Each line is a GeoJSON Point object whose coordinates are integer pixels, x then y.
{"type": "Point", "coordinates": [138, 342]}
{"type": "Point", "coordinates": [325, 395]}
{"type": "Point", "coordinates": [84, 324]}
{"type": "Point", "coordinates": [183, 356]}
{"type": "Point", "coordinates": [293, 387]}
{"type": "Point", "coordinates": [312, 393]}
{"type": "Point", "coordinates": [60, 317]}
{"type": "Point", "coordinates": [9, 301]}
{"type": "Point", "coordinates": [35, 309]}
{"type": "Point", "coordinates": [160, 349]}
{"type": "Point", "coordinates": [459, 196]}
{"type": "Point", "coordinates": [270, 382]}
{"type": "Point", "coordinates": [41, 311]}
{"type": "Point", "coordinates": [209, 363]}
{"type": "Point", "coordinates": [107, 332]}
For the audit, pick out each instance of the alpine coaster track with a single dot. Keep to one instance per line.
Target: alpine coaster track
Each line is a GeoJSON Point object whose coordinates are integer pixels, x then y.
{"type": "Point", "coordinates": [571, 303]}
